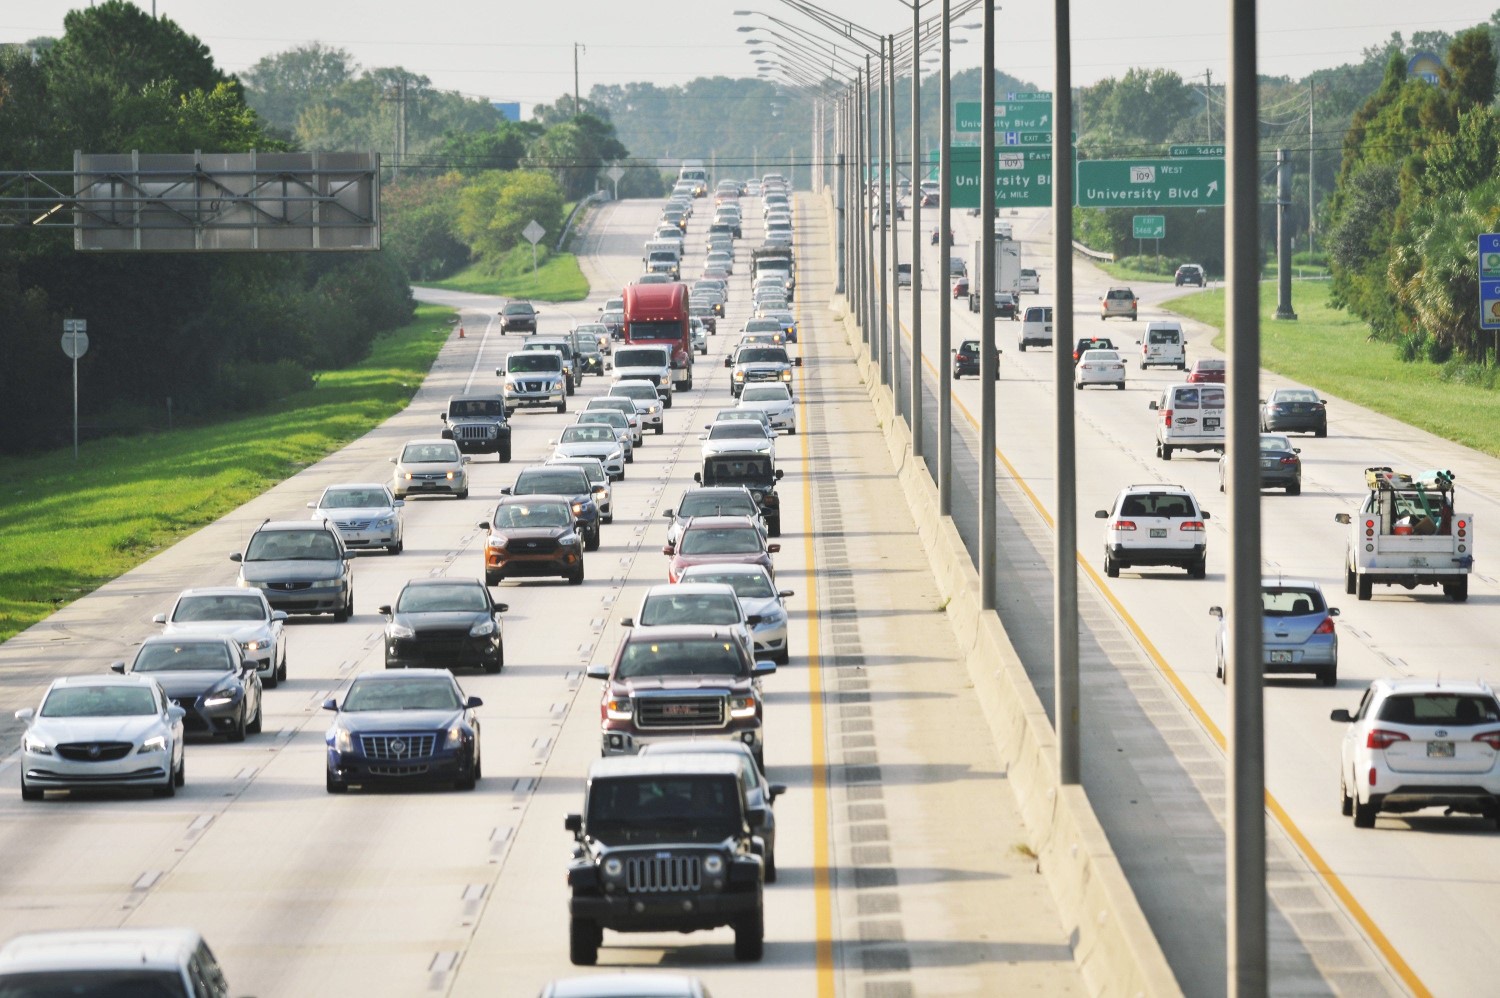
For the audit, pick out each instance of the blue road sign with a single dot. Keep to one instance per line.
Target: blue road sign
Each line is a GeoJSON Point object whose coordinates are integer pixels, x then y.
{"type": "Point", "coordinates": [1489, 280]}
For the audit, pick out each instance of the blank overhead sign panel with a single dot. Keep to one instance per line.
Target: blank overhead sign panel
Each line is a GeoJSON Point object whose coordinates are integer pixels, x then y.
{"type": "Point", "coordinates": [225, 202]}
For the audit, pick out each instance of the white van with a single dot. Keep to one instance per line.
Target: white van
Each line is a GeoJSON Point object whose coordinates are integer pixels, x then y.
{"type": "Point", "coordinates": [1189, 417]}
{"type": "Point", "coordinates": [1036, 328]}
{"type": "Point", "coordinates": [1164, 346]}
{"type": "Point", "coordinates": [1029, 281]}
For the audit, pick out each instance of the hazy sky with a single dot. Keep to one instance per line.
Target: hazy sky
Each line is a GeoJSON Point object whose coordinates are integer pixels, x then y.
{"type": "Point", "coordinates": [509, 50]}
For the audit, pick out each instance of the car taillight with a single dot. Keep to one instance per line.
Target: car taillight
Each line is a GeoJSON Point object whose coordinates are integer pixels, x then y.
{"type": "Point", "coordinates": [1166, 415]}
{"type": "Point", "coordinates": [1462, 528]}
{"type": "Point", "coordinates": [1326, 627]}
{"type": "Point", "coordinates": [1369, 528]}
{"type": "Point", "coordinates": [1192, 525]}
{"type": "Point", "coordinates": [1289, 460]}
{"type": "Point", "coordinates": [1490, 738]}
{"type": "Point", "coordinates": [1122, 525]}
{"type": "Point", "coordinates": [1381, 738]}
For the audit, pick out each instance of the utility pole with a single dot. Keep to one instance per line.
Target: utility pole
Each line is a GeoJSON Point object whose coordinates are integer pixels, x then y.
{"type": "Point", "coordinates": [400, 138]}
{"type": "Point", "coordinates": [576, 95]}
{"type": "Point", "coordinates": [1311, 201]}
{"type": "Point", "coordinates": [1208, 100]}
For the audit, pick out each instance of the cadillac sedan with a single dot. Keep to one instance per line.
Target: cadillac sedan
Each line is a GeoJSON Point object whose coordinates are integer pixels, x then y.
{"type": "Point", "coordinates": [408, 727]}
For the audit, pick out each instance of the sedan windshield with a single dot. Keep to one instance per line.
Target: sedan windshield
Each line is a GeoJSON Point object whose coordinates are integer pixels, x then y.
{"type": "Point", "coordinates": [746, 584]}
{"type": "Point", "coordinates": [194, 656]}
{"type": "Point", "coordinates": [721, 540]}
{"type": "Point", "coordinates": [762, 355]}
{"type": "Point", "coordinates": [460, 598]}
{"type": "Point", "coordinates": [359, 498]}
{"type": "Point", "coordinates": [765, 393]}
{"type": "Point", "coordinates": [691, 657]}
{"type": "Point", "coordinates": [534, 362]}
{"type": "Point", "coordinates": [191, 609]}
{"type": "Point", "coordinates": [588, 434]}
{"type": "Point", "coordinates": [291, 545]}
{"type": "Point", "coordinates": [717, 505]}
{"type": "Point", "coordinates": [562, 482]}
{"type": "Point", "coordinates": [403, 694]}
{"type": "Point", "coordinates": [739, 428]}
{"type": "Point", "coordinates": [644, 393]}
{"type": "Point", "coordinates": [702, 608]}
{"type": "Point", "coordinates": [522, 515]}
{"type": "Point", "coordinates": [99, 701]}
{"type": "Point", "coordinates": [433, 453]}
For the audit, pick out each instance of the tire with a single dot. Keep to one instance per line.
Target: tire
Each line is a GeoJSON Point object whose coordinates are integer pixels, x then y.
{"type": "Point", "coordinates": [562, 406]}
{"type": "Point", "coordinates": [773, 526]}
{"type": "Point", "coordinates": [1364, 814]}
{"type": "Point", "coordinates": [750, 937]}
{"type": "Point", "coordinates": [1198, 569]}
{"type": "Point", "coordinates": [782, 657]}
{"type": "Point", "coordinates": [583, 942]}
{"type": "Point", "coordinates": [1346, 803]}
{"type": "Point", "coordinates": [505, 454]}
{"type": "Point", "coordinates": [1321, 433]}
{"type": "Point", "coordinates": [630, 457]}
{"type": "Point", "coordinates": [608, 519]}
{"type": "Point", "coordinates": [1143, 365]}
{"type": "Point", "coordinates": [493, 578]}
{"type": "Point", "coordinates": [237, 733]}
{"type": "Point", "coordinates": [270, 682]}
{"type": "Point", "coordinates": [1121, 386]}
{"type": "Point", "coordinates": [771, 867]}
{"type": "Point", "coordinates": [1166, 452]}
{"type": "Point", "coordinates": [957, 376]}
{"type": "Point", "coordinates": [31, 793]}
{"type": "Point", "coordinates": [660, 430]}
{"type": "Point", "coordinates": [572, 387]}
{"type": "Point", "coordinates": [1078, 385]}
{"type": "Point", "coordinates": [334, 786]}
{"type": "Point", "coordinates": [1021, 346]}
{"type": "Point", "coordinates": [254, 727]}
{"type": "Point", "coordinates": [465, 783]}
{"type": "Point", "coordinates": [181, 778]}
{"type": "Point", "coordinates": [1366, 587]}
{"type": "Point", "coordinates": [397, 547]}
{"type": "Point", "coordinates": [339, 616]}
{"type": "Point", "coordinates": [168, 789]}
{"type": "Point", "coordinates": [1111, 567]}
{"type": "Point", "coordinates": [1294, 490]}
{"type": "Point", "coordinates": [462, 495]}
{"type": "Point", "coordinates": [1329, 676]}
{"type": "Point", "coordinates": [591, 542]}
{"type": "Point", "coordinates": [576, 579]}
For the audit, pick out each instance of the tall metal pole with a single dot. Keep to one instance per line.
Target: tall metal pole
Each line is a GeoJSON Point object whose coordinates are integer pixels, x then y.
{"type": "Point", "coordinates": [1284, 235]}
{"type": "Point", "coordinates": [883, 279]}
{"type": "Point", "coordinates": [1311, 205]}
{"type": "Point", "coordinates": [841, 232]}
{"type": "Point", "coordinates": [1065, 581]}
{"type": "Point", "coordinates": [945, 300]}
{"type": "Point", "coordinates": [1246, 839]}
{"type": "Point", "coordinates": [577, 96]}
{"type": "Point", "coordinates": [914, 408]}
{"type": "Point", "coordinates": [866, 232]}
{"type": "Point", "coordinates": [987, 358]}
{"type": "Point", "coordinates": [890, 349]}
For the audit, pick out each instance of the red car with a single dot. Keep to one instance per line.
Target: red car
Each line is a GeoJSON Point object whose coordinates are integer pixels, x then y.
{"type": "Point", "coordinates": [1211, 371]}
{"type": "Point", "coordinates": [961, 288]}
{"type": "Point", "coordinates": [719, 540]}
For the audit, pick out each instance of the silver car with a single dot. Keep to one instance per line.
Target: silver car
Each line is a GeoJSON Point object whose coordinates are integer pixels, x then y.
{"type": "Point", "coordinates": [775, 401]}
{"type": "Point", "coordinates": [738, 436]}
{"type": "Point", "coordinates": [365, 513]}
{"type": "Point", "coordinates": [624, 407]}
{"type": "Point", "coordinates": [604, 492]}
{"type": "Point", "coordinates": [648, 404]}
{"type": "Point", "coordinates": [102, 731]}
{"type": "Point", "coordinates": [433, 467]}
{"type": "Point", "coordinates": [763, 604]}
{"type": "Point", "coordinates": [615, 421]}
{"type": "Point", "coordinates": [593, 440]}
{"type": "Point", "coordinates": [244, 615]}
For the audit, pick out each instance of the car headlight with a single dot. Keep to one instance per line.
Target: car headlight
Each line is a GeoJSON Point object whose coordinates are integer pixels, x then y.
{"type": "Point", "coordinates": [250, 646]}
{"type": "Point", "coordinates": [340, 739]}
{"type": "Point", "coordinates": [496, 541]}
{"type": "Point", "coordinates": [386, 521]}
{"type": "Point", "coordinates": [578, 509]}
{"type": "Point", "coordinates": [618, 454]}
{"type": "Point", "coordinates": [156, 743]}
{"type": "Point", "coordinates": [786, 375]}
{"type": "Point", "coordinates": [325, 582]}
{"type": "Point", "coordinates": [613, 867]}
{"type": "Point", "coordinates": [482, 629]}
{"type": "Point", "coordinates": [742, 706]}
{"type": "Point", "coordinates": [618, 708]}
{"type": "Point", "coordinates": [739, 375]}
{"type": "Point", "coordinates": [652, 410]}
{"type": "Point", "coordinates": [245, 583]}
{"type": "Point", "coordinates": [568, 539]}
{"type": "Point", "coordinates": [33, 743]}
{"type": "Point", "coordinates": [713, 864]}
{"type": "Point", "coordinates": [450, 476]}
{"type": "Point", "coordinates": [457, 733]}
{"type": "Point", "coordinates": [397, 630]}
{"type": "Point", "coordinates": [219, 698]}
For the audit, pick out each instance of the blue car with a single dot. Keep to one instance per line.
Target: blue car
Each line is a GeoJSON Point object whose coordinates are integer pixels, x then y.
{"type": "Point", "coordinates": [1299, 635]}
{"type": "Point", "coordinates": [406, 727]}
{"type": "Point", "coordinates": [565, 480]}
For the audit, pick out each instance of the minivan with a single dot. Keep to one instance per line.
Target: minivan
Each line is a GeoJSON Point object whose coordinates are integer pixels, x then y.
{"type": "Point", "coordinates": [1189, 417]}
{"type": "Point", "coordinates": [1164, 346]}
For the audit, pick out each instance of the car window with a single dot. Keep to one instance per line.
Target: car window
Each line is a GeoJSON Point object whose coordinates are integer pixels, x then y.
{"type": "Point", "coordinates": [517, 515]}
{"type": "Point", "coordinates": [99, 701]}
{"type": "Point", "coordinates": [690, 657]}
{"type": "Point", "coordinates": [720, 540]}
{"type": "Point", "coordinates": [518, 309]}
{"type": "Point", "coordinates": [587, 434]}
{"type": "Point", "coordinates": [404, 694]}
{"type": "Point", "coordinates": [195, 608]}
{"type": "Point", "coordinates": [433, 453]}
{"type": "Point", "coordinates": [356, 498]}
{"type": "Point", "coordinates": [640, 392]}
{"type": "Point", "coordinates": [766, 393]}
{"type": "Point", "coordinates": [740, 428]}
{"type": "Point", "coordinates": [1294, 395]}
{"type": "Point", "coordinates": [1162, 336]}
{"type": "Point", "coordinates": [1275, 443]}
{"type": "Point", "coordinates": [1168, 505]}
{"type": "Point", "coordinates": [1455, 709]}
{"type": "Point", "coordinates": [533, 361]}
{"type": "Point", "coordinates": [746, 584]}
{"type": "Point", "coordinates": [291, 545]}
{"type": "Point", "coordinates": [762, 355]}
{"type": "Point", "coordinates": [1291, 602]}
{"type": "Point", "coordinates": [555, 481]}
{"type": "Point", "coordinates": [716, 505]}
{"type": "Point", "coordinates": [1212, 397]}
{"type": "Point", "coordinates": [663, 808]}
{"type": "Point", "coordinates": [195, 656]}
{"type": "Point", "coordinates": [1184, 398]}
{"type": "Point", "coordinates": [430, 599]}
{"type": "Point", "coordinates": [701, 608]}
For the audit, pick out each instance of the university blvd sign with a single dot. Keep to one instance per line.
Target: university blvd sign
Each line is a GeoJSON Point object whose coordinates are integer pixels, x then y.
{"type": "Point", "coordinates": [1157, 183]}
{"type": "Point", "coordinates": [1023, 177]}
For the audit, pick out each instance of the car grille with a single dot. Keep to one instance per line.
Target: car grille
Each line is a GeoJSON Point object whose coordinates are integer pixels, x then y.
{"type": "Point", "coordinates": [429, 477]}
{"type": "Point", "coordinates": [437, 643]}
{"type": "Point", "coordinates": [397, 747]}
{"type": "Point", "coordinates": [352, 524]}
{"type": "Point", "coordinates": [533, 386]}
{"type": "Point", "coordinates": [288, 587]}
{"type": "Point", "coordinates": [763, 375]}
{"type": "Point", "coordinates": [94, 751]}
{"type": "Point", "coordinates": [540, 545]}
{"type": "Point", "coordinates": [474, 431]}
{"type": "Point", "coordinates": [419, 769]}
{"type": "Point", "coordinates": [680, 712]}
{"type": "Point", "coordinates": [662, 874]}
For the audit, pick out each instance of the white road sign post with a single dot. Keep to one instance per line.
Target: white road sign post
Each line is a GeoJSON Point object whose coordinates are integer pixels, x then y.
{"type": "Point", "coordinates": [533, 233]}
{"type": "Point", "coordinates": [75, 343]}
{"type": "Point", "coordinates": [614, 174]}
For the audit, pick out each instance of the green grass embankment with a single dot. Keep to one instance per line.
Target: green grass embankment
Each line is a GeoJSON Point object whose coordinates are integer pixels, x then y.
{"type": "Point", "coordinates": [557, 277]}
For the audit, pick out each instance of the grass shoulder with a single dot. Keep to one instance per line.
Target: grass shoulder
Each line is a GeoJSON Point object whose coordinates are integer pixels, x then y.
{"type": "Point", "coordinates": [1328, 349]}
{"type": "Point", "coordinates": [69, 527]}
{"type": "Point", "coordinates": [557, 277]}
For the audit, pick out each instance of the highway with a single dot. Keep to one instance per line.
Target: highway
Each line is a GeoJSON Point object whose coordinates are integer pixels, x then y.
{"type": "Point", "coordinates": [1153, 711]}
{"type": "Point", "coordinates": [903, 863]}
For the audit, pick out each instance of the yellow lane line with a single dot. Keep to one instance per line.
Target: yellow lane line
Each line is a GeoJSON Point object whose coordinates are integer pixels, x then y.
{"type": "Point", "coordinates": [1283, 818]}
{"type": "Point", "coordinates": [822, 864]}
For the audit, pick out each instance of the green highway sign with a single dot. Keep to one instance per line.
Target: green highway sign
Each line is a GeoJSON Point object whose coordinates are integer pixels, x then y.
{"type": "Point", "coordinates": [1191, 151]}
{"type": "Point", "coordinates": [1148, 227]}
{"type": "Point", "coordinates": [1039, 95]}
{"type": "Point", "coordinates": [1023, 177]}
{"type": "Point", "coordinates": [1024, 112]}
{"type": "Point", "coordinates": [1131, 183]}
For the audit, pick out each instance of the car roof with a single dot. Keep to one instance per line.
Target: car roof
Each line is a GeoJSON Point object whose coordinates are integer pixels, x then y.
{"type": "Point", "coordinates": [535, 497]}
{"type": "Point", "coordinates": [356, 485]}
{"type": "Point", "coordinates": [695, 763]}
{"type": "Point", "coordinates": [704, 522]}
{"type": "Point", "coordinates": [1416, 684]}
{"type": "Point", "coordinates": [319, 525]}
{"type": "Point", "coordinates": [688, 589]}
{"type": "Point", "coordinates": [624, 986]}
{"type": "Point", "coordinates": [398, 675]}
{"type": "Point", "coordinates": [98, 949]}
{"type": "Point", "coordinates": [427, 440]}
{"type": "Point", "coordinates": [1282, 582]}
{"type": "Point", "coordinates": [220, 591]}
{"type": "Point", "coordinates": [443, 580]}
{"type": "Point", "coordinates": [190, 637]}
{"type": "Point", "coordinates": [1157, 487]}
{"type": "Point", "coordinates": [724, 568]}
{"type": "Point", "coordinates": [103, 679]}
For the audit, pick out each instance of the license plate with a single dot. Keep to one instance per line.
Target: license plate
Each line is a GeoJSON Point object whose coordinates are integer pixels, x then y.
{"type": "Point", "coordinates": [1278, 657]}
{"type": "Point", "coordinates": [1439, 750]}
{"type": "Point", "coordinates": [1210, 424]}
{"type": "Point", "coordinates": [1158, 531]}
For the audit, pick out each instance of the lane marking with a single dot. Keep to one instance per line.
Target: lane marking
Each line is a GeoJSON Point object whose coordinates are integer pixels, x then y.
{"type": "Point", "coordinates": [478, 354]}
{"type": "Point", "coordinates": [1283, 818]}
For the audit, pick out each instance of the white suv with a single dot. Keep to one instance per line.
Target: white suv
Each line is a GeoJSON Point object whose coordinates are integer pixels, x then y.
{"type": "Point", "coordinates": [1155, 525]}
{"type": "Point", "coordinates": [1418, 743]}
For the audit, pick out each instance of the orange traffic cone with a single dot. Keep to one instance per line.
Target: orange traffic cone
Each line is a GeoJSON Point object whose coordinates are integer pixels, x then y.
{"type": "Point", "coordinates": [460, 332]}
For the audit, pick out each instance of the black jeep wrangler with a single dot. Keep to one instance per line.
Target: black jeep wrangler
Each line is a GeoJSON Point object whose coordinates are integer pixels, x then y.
{"type": "Point", "coordinates": [478, 425]}
{"type": "Point", "coordinates": [664, 845]}
{"type": "Point", "coordinates": [756, 472]}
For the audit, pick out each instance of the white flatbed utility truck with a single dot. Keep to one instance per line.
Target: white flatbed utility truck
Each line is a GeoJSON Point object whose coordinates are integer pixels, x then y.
{"type": "Point", "coordinates": [1408, 533]}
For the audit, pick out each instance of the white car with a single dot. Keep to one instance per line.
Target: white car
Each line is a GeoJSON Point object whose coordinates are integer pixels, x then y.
{"type": "Point", "coordinates": [648, 404]}
{"type": "Point", "coordinates": [1099, 367]}
{"type": "Point", "coordinates": [102, 731]}
{"type": "Point", "coordinates": [431, 466]}
{"type": "Point", "coordinates": [624, 407]}
{"type": "Point", "coordinates": [1155, 525]}
{"type": "Point", "coordinates": [172, 963]}
{"type": "Point", "coordinates": [1420, 743]}
{"type": "Point", "coordinates": [365, 513]}
{"type": "Point", "coordinates": [700, 335]}
{"type": "Point", "coordinates": [615, 421]}
{"type": "Point", "coordinates": [775, 401]}
{"type": "Point", "coordinates": [671, 604]}
{"type": "Point", "coordinates": [764, 604]}
{"type": "Point", "coordinates": [737, 437]}
{"type": "Point", "coordinates": [243, 615]}
{"type": "Point", "coordinates": [596, 441]}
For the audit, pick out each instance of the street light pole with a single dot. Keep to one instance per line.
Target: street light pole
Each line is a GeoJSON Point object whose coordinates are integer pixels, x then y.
{"type": "Point", "coordinates": [987, 358]}
{"type": "Point", "coordinates": [881, 216]}
{"type": "Point", "coordinates": [914, 416]}
{"type": "Point", "coordinates": [890, 351]}
{"type": "Point", "coordinates": [945, 300]}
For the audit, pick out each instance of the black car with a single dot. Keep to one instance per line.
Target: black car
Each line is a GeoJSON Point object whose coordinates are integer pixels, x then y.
{"type": "Point", "coordinates": [1294, 410]}
{"type": "Point", "coordinates": [405, 727]}
{"type": "Point", "coordinates": [444, 623]}
{"type": "Point", "coordinates": [1280, 465]}
{"type": "Point", "coordinates": [563, 480]}
{"type": "Point", "coordinates": [1190, 273]}
{"type": "Point", "coordinates": [478, 425]}
{"type": "Point", "coordinates": [205, 676]}
{"type": "Point", "coordinates": [301, 565]}
{"type": "Point", "coordinates": [760, 793]}
{"type": "Point", "coordinates": [518, 317]}
{"type": "Point", "coordinates": [756, 472]}
{"type": "Point", "coordinates": [966, 360]}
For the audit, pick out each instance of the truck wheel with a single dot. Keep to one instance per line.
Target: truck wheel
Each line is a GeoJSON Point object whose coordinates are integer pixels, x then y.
{"type": "Point", "coordinates": [1198, 569]}
{"type": "Point", "coordinates": [562, 406]}
{"type": "Point", "coordinates": [1348, 581]}
{"type": "Point", "coordinates": [1366, 586]}
{"type": "Point", "coordinates": [493, 578]}
{"type": "Point", "coordinates": [773, 526]}
{"type": "Point", "coordinates": [583, 942]}
{"type": "Point", "coordinates": [571, 386]}
{"type": "Point", "coordinates": [505, 453]}
{"type": "Point", "coordinates": [749, 937]}
{"type": "Point", "coordinates": [1166, 452]}
{"type": "Point", "coordinates": [687, 385]}
{"type": "Point", "coordinates": [1364, 814]}
{"type": "Point", "coordinates": [1021, 346]}
{"type": "Point", "coordinates": [1111, 567]}
{"type": "Point", "coordinates": [576, 578]}
{"type": "Point", "coordinates": [1458, 591]}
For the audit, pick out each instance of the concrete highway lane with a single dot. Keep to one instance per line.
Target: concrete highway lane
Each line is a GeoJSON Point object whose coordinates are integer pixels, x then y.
{"type": "Point", "coordinates": [903, 862]}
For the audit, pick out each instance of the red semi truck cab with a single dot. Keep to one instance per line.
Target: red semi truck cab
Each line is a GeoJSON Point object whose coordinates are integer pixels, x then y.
{"type": "Point", "coordinates": [657, 315]}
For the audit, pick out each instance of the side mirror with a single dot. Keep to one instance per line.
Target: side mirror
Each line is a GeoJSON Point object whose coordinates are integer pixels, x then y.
{"type": "Point", "coordinates": [785, 593]}
{"type": "Point", "coordinates": [236, 557]}
{"type": "Point", "coordinates": [1261, 401]}
{"type": "Point", "coordinates": [627, 621]}
{"type": "Point", "coordinates": [698, 477]}
{"type": "Point", "coordinates": [668, 514]}
{"type": "Point", "coordinates": [1216, 611]}
{"type": "Point", "coordinates": [474, 702]}
{"type": "Point", "coordinates": [1333, 611]}
{"type": "Point", "coordinates": [773, 548]}
{"type": "Point", "coordinates": [1343, 518]}
{"type": "Point", "coordinates": [775, 790]}
{"type": "Point", "coordinates": [1101, 514]}
{"type": "Point", "coordinates": [312, 505]}
{"type": "Point", "coordinates": [398, 503]}
{"type": "Point", "coordinates": [467, 458]}
{"type": "Point", "coordinates": [668, 550]}
{"type": "Point", "coordinates": [176, 713]}
{"type": "Point", "coordinates": [778, 474]}
{"type": "Point", "coordinates": [499, 372]}
{"type": "Point", "coordinates": [506, 491]}
{"type": "Point", "coordinates": [330, 704]}
{"type": "Point", "coordinates": [384, 610]}
{"type": "Point", "coordinates": [703, 436]}
{"type": "Point", "coordinates": [1296, 450]}
{"type": "Point", "coordinates": [765, 667]}
{"type": "Point", "coordinates": [797, 361]}
{"type": "Point", "coordinates": [502, 608]}
{"type": "Point", "coordinates": [728, 361]}
{"type": "Point", "coordinates": [160, 618]}
{"type": "Point", "coordinates": [1341, 715]}
{"type": "Point", "coordinates": [443, 416]}
{"type": "Point", "coordinates": [574, 823]}
{"type": "Point", "coordinates": [1151, 404]}
{"type": "Point", "coordinates": [597, 672]}
{"type": "Point", "coordinates": [26, 714]}
{"type": "Point", "coordinates": [117, 667]}
{"type": "Point", "coordinates": [279, 615]}
{"type": "Point", "coordinates": [1206, 514]}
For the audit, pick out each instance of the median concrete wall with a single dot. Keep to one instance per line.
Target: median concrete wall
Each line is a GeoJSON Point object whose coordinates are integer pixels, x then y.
{"type": "Point", "coordinates": [1111, 939]}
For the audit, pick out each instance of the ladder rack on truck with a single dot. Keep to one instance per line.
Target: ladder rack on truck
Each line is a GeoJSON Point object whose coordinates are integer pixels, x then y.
{"type": "Point", "coordinates": [1408, 533]}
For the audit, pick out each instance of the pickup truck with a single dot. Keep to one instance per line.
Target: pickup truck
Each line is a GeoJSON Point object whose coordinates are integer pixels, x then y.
{"type": "Point", "coordinates": [1407, 533]}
